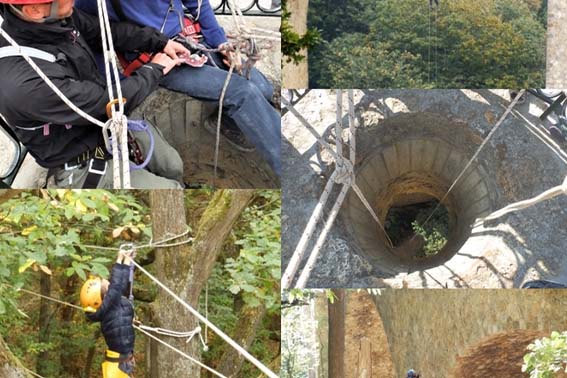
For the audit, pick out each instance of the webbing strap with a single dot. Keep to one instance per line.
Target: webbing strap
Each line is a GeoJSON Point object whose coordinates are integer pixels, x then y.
{"type": "Point", "coordinates": [9, 51]}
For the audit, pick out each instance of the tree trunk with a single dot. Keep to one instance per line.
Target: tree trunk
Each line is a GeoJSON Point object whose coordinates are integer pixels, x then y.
{"type": "Point", "coordinates": [66, 364]}
{"type": "Point", "coordinates": [10, 366]}
{"type": "Point", "coordinates": [91, 354]}
{"type": "Point", "coordinates": [249, 320]}
{"type": "Point", "coordinates": [185, 269]}
{"type": "Point", "coordinates": [295, 76]}
{"type": "Point", "coordinates": [44, 322]}
{"type": "Point", "coordinates": [337, 335]}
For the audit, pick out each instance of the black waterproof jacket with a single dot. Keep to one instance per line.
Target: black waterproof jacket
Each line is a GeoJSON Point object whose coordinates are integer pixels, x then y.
{"type": "Point", "coordinates": [116, 313]}
{"type": "Point", "coordinates": [28, 103]}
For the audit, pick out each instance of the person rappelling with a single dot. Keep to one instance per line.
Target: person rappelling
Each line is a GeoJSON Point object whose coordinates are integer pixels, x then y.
{"type": "Point", "coordinates": [106, 302]}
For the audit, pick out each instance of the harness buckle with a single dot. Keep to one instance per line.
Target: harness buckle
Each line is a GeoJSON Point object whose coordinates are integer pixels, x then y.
{"type": "Point", "coordinates": [69, 167]}
{"type": "Point", "coordinates": [97, 171]}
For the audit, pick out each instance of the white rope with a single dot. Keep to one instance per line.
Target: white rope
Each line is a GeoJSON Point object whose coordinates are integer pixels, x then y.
{"type": "Point", "coordinates": [310, 128]}
{"type": "Point", "coordinates": [299, 251]}
{"type": "Point", "coordinates": [181, 335]}
{"type": "Point", "coordinates": [141, 328]}
{"type": "Point", "coordinates": [119, 124]}
{"type": "Point", "coordinates": [372, 213]}
{"type": "Point", "coordinates": [180, 352]}
{"type": "Point", "coordinates": [267, 31]}
{"type": "Point", "coordinates": [32, 372]}
{"type": "Point", "coordinates": [219, 118]}
{"type": "Point", "coordinates": [339, 128]}
{"type": "Point", "coordinates": [48, 81]}
{"type": "Point", "coordinates": [304, 276]}
{"type": "Point", "coordinates": [206, 311]}
{"type": "Point", "coordinates": [520, 205]}
{"type": "Point", "coordinates": [500, 121]}
{"type": "Point", "coordinates": [204, 320]}
{"type": "Point", "coordinates": [48, 298]}
{"type": "Point", "coordinates": [343, 174]}
{"type": "Point", "coordinates": [152, 244]}
{"type": "Point", "coordinates": [351, 127]}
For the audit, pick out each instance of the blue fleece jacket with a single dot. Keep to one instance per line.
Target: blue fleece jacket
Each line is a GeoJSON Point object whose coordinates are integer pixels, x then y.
{"type": "Point", "coordinates": [152, 13]}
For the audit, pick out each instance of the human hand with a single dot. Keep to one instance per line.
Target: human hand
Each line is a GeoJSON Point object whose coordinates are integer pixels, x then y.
{"type": "Point", "coordinates": [175, 49]}
{"type": "Point", "coordinates": [126, 254]}
{"type": "Point", "coordinates": [167, 63]}
{"type": "Point", "coordinates": [230, 56]}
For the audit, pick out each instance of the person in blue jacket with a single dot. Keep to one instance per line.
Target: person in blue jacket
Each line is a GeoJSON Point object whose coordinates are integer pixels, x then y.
{"type": "Point", "coordinates": [246, 102]}
{"type": "Point", "coordinates": [106, 302]}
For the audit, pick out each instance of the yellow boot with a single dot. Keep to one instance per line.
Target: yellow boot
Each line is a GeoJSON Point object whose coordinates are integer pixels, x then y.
{"type": "Point", "coordinates": [110, 366]}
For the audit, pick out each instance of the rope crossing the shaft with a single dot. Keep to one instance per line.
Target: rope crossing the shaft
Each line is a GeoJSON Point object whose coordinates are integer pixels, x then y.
{"type": "Point", "coordinates": [343, 175]}
{"type": "Point", "coordinates": [547, 195]}
{"type": "Point", "coordinates": [473, 158]}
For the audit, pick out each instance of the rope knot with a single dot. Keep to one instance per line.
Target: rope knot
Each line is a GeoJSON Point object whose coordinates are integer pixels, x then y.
{"type": "Point", "coordinates": [345, 172]}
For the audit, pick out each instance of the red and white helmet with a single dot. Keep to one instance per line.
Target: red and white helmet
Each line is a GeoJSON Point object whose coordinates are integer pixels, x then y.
{"type": "Point", "coordinates": [26, 2]}
{"type": "Point", "coordinates": [54, 6]}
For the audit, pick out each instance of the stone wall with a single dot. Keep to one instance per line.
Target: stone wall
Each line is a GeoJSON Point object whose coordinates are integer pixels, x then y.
{"type": "Point", "coordinates": [444, 333]}
{"type": "Point", "coordinates": [556, 72]}
{"type": "Point", "coordinates": [399, 126]}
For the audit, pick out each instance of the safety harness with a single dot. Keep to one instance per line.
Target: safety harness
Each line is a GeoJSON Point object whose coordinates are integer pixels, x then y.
{"type": "Point", "coordinates": [97, 159]}
{"type": "Point", "coordinates": [190, 30]}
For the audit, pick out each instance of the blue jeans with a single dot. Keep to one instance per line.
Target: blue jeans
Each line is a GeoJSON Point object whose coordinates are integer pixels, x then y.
{"type": "Point", "coordinates": [246, 102]}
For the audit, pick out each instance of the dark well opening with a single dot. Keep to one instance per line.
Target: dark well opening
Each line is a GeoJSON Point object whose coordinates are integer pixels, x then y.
{"type": "Point", "coordinates": [411, 235]}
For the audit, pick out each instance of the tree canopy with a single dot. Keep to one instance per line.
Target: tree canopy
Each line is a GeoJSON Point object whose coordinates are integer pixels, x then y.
{"type": "Point", "coordinates": [408, 44]}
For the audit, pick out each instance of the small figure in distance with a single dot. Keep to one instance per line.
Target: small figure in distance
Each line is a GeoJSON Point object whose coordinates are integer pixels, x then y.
{"type": "Point", "coordinates": [412, 374]}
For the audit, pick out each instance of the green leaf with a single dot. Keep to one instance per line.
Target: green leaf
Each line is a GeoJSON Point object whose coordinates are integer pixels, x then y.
{"type": "Point", "coordinates": [100, 270]}
{"type": "Point", "coordinates": [234, 289]}
{"type": "Point", "coordinates": [26, 265]}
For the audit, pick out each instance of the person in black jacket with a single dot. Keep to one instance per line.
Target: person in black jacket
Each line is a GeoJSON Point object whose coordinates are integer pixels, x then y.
{"type": "Point", "coordinates": [56, 136]}
{"type": "Point", "coordinates": [105, 302]}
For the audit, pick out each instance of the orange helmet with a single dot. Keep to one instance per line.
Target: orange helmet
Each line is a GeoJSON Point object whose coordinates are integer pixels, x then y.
{"type": "Point", "coordinates": [91, 294]}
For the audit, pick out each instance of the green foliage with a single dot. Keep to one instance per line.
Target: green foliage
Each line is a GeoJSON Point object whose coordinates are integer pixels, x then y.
{"type": "Point", "coordinates": [393, 43]}
{"type": "Point", "coordinates": [49, 232]}
{"type": "Point", "coordinates": [45, 232]}
{"type": "Point", "coordinates": [435, 239]}
{"type": "Point", "coordinates": [255, 273]}
{"type": "Point", "coordinates": [292, 42]}
{"type": "Point", "coordinates": [248, 275]}
{"type": "Point", "coordinates": [547, 356]}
